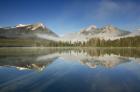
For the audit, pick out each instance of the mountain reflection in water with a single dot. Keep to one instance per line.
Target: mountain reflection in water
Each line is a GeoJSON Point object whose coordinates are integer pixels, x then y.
{"type": "Point", "coordinates": [106, 67]}
{"type": "Point", "coordinates": [41, 58]}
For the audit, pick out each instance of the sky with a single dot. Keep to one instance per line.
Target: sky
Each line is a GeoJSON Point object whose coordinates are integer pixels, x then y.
{"type": "Point", "coordinates": [66, 16]}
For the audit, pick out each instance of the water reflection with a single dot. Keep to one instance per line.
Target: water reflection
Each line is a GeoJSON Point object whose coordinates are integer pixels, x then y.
{"type": "Point", "coordinates": [69, 69]}
{"type": "Point", "coordinates": [37, 58]}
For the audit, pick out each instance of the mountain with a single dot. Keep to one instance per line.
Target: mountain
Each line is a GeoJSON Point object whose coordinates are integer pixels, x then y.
{"type": "Point", "coordinates": [38, 30]}
{"type": "Point", "coordinates": [106, 32]}
{"type": "Point", "coordinates": [25, 31]}
{"type": "Point", "coordinates": [31, 35]}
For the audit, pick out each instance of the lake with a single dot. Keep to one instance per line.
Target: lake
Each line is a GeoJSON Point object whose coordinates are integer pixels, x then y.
{"type": "Point", "coordinates": [69, 69]}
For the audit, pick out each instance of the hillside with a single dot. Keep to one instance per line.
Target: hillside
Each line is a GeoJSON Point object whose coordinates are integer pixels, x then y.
{"type": "Point", "coordinates": [25, 31]}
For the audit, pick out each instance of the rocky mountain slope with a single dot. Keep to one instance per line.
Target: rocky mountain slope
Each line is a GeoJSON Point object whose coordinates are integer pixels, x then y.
{"type": "Point", "coordinates": [25, 31]}
{"type": "Point", "coordinates": [106, 32]}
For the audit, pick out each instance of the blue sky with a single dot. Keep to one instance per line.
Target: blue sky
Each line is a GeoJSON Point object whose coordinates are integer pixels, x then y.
{"type": "Point", "coordinates": [64, 16]}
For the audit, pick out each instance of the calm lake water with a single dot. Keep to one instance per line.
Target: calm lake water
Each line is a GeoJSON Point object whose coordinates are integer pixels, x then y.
{"type": "Point", "coordinates": [69, 70]}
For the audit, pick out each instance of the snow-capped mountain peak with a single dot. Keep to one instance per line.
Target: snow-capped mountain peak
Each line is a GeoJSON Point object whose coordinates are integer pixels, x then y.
{"type": "Point", "coordinates": [32, 26]}
{"type": "Point", "coordinates": [26, 30]}
{"type": "Point", "coordinates": [37, 25]}
{"type": "Point", "coordinates": [21, 25]}
{"type": "Point", "coordinates": [106, 32]}
{"type": "Point", "coordinates": [92, 27]}
{"type": "Point", "coordinates": [110, 29]}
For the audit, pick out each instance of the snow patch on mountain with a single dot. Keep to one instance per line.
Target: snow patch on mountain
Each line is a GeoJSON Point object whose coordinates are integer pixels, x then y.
{"type": "Point", "coordinates": [21, 25]}
{"type": "Point", "coordinates": [36, 26]}
{"type": "Point", "coordinates": [92, 27]}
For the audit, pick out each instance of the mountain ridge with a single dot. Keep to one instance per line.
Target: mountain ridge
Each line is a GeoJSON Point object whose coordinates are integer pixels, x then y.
{"type": "Point", "coordinates": [39, 30]}
{"type": "Point", "coordinates": [106, 32]}
{"type": "Point", "coordinates": [25, 30]}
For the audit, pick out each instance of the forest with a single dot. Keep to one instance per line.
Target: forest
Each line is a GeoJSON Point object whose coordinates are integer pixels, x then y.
{"type": "Point", "coordinates": [93, 42]}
